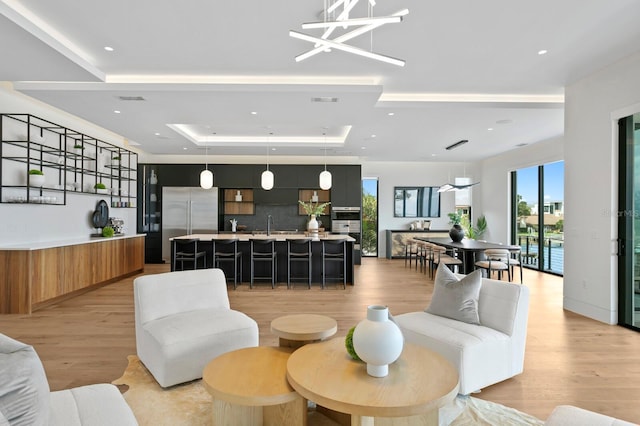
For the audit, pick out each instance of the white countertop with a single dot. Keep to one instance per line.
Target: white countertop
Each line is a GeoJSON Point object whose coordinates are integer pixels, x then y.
{"type": "Point", "coordinates": [247, 237]}
{"type": "Point", "coordinates": [39, 245]}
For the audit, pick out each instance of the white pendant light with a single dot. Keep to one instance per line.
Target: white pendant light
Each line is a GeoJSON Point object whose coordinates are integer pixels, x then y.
{"type": "Point", "coordinates": [325, 176]}
{"type": "Point", "coordinates": [206, 176]}
{"type": "Point", "coordinates": [267, 178]}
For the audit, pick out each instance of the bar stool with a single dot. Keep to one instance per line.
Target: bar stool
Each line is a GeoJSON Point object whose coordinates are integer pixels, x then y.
{"type": "Point", "coordinates": [334, 251]}
{"type": "Point", "coordinates": [298, 251]}
{"type": "Point", "coordinates": [187, 251]}
{"type": "Point", "coordinates": [227, 251]}
{"type": "Point", "coordinates": [263, 251]}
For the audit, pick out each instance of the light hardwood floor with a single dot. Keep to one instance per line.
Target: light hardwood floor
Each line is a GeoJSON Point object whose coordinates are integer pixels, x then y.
{"type": "Point", "coordinates": [569, 359]}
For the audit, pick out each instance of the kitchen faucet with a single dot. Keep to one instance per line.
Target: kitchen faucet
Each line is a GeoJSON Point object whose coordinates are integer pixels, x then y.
{"type": "Point", "coordinates": [269, 223]}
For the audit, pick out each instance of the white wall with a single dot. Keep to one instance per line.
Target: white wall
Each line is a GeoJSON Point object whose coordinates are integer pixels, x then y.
{"type": "Point", "coordinates": [392, 174]}
{"type": "Point", "coordinates": [33, 222]}
{"type": "Point", "coordinates": [592, 107]}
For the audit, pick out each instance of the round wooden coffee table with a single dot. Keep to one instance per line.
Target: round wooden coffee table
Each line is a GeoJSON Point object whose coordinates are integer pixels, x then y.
{"type": "Point", "coordinates": [249, 387]}
{"type": "Point", "coordinates": [299, 329]}
{"type": "Point", "coordinates": [419, 382]}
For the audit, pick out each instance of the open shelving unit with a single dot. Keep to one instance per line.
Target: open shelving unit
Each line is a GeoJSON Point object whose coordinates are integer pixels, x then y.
{"type": "Point", "coordinates": [306, 195]}
{"type": "Point", "coordinates": [32, 143]}
{"type": "Point", "coordinates": [245, 206]}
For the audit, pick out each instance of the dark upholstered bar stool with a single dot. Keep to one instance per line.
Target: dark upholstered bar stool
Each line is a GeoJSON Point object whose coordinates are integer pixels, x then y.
{"type": "Point", "coordinates": [263, 251]}
{"type": "Point", "coordinates": [226, 251]}
{"type": "Point", "coordinates": [298, 251]}
{"type": "Point", "coordinates": [187, 251]}
{"type": "Point", "coordinates": [334, 251]}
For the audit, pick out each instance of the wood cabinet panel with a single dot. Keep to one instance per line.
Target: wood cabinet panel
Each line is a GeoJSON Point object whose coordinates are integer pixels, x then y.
{"type": "Point", "coordinates": [47, 277]}
{"type": "Point", "coordinates": [33, 277]}
{"type": "Point", "coordinates": [15, 282]}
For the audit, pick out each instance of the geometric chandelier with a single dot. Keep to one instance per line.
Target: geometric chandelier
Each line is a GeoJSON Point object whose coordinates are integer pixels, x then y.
{"type": "Point", "coordinates": [342, 21]}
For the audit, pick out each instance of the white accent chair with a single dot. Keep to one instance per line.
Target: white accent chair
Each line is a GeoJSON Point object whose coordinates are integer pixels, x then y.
{"type": "Point", "coordinates": [25, 398]}
{"type": "Point", "coordinates": [483, 354]}
{"type": "Point", "coordinates": [183, 320]}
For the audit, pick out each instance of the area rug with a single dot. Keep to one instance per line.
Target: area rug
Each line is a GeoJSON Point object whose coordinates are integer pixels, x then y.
{"type": "Point", "coordinates": [189, 404]}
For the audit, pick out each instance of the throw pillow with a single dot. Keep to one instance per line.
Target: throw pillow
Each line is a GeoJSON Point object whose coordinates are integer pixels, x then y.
{"type": "Point", "coordinates": [24, 390]}
{"type": "Point", "coordinates": [456, 298]}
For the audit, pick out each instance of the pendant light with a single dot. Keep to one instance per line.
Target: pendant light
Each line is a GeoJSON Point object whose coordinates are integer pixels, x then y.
{"type": "Point", "coordinates": [206, 176]}
{"type": "Point", "coordinates": [267, 178]}
{"type": "Point", "coordinates": [325, 176]}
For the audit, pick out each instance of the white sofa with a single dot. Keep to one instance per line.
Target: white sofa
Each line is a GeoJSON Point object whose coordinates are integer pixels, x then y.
{"type": "Point", "coordinates": [483, 354]}
{"type": "Point", "coordinates": [183, 320]}
{"type": "Point", "coordinates": [25, 398]}
{"type": "Point", "coordinates": [568, 415]}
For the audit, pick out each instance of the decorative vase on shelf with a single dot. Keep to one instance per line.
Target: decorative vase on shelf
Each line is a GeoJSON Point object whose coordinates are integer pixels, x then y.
{"type": "Point", "coordinates": [154, 178]}
{"type": "Point", "coordinates": [378, 341]}
{"type": "Point", "coordinates": [238, 196]}
{"type": "Point", "coordinates": [314, 197]}
{"type": "Point", "coordinates": [312, 226]}
{"type": "Point", "coordinates": [456, 233]}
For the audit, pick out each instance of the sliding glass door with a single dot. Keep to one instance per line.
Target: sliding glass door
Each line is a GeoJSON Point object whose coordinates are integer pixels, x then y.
{"type": "Point", "coordinates": [629, 222]}
{"type": "Point", "coordinates": [538, 216]}
{"type": "Point", "coordinates": [370, 217]}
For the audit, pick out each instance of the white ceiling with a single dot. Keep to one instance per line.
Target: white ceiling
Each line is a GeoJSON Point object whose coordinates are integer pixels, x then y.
{"type": "Point", "coordinates": [206, 65]}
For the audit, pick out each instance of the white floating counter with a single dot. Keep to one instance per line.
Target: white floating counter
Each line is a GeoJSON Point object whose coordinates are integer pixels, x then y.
{"type": "Point", "coordinates": [41, 245]}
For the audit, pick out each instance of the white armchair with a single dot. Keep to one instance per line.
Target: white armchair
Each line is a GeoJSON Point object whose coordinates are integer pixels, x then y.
{"type": "Point", "coordinates": [184, 320]}
{"type": "Point", "coordinates": [484, 353]}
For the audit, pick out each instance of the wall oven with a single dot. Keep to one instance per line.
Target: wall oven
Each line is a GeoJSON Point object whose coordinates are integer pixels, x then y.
{"type": "Point", "coordinates": [346, 220]}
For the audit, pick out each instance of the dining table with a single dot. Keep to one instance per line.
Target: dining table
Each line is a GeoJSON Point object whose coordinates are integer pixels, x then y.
{"type": "Point", "coordinates": [468, 248]}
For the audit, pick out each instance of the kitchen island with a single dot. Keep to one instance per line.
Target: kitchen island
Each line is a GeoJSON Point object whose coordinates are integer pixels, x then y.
{"type": "Point", "coordinates": [207, 242]}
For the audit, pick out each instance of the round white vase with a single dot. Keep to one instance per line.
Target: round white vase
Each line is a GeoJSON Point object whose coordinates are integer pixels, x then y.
{"type": "Point", "coordinates": [312, 226]}
{"type": "Point", "coordinates": [378, 341]}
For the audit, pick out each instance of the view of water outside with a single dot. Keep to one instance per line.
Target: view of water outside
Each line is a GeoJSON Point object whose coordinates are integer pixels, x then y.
{"type": "Point", "coordinates": [528, 234]}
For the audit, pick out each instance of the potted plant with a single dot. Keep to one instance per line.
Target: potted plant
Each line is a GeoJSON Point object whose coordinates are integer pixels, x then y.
{"type": "Point", "coordinates": [36, 177]}
{"type": "Point", "coordinates": [456, 232]}
{"type": "Point", "coordinates": [108, 231]}
{"type": "Point", "coordinates": [474, 232]}
{"type": "Point", "coordinates": [100, 188]}
{"type": "Point", "coordinates": [78, 148]}
{"type": "Point", "coordinates": [115, 161]}
{"type": "Point", "coordinates": [313, 210]}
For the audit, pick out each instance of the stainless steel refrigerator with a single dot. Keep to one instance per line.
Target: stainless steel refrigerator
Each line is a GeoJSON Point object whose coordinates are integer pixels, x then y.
{"type": "Point", "coordinates": [187, 210]}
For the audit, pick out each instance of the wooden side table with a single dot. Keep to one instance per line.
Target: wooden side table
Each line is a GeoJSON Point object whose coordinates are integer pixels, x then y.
{"type": "Point", "coordinates": [249, 387]}
{"type": "Point", "coordinates": [419, 382]}
{"type": "Point", "coordinates": [299, 329]}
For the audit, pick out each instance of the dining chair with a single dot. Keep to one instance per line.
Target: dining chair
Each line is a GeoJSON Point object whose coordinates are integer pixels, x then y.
{"type": "Point", "coordinates": [515, 259]}
{"type": "Point", "coordinates": [440, 255]}
{"type": "Point", "coordinates": [495, 260]}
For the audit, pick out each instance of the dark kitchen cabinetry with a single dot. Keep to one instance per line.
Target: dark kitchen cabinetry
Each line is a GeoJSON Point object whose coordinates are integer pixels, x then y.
{"type": "Point", "coordinates": [346, 188]}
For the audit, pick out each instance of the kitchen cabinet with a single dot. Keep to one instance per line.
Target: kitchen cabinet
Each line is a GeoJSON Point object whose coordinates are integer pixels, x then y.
{"type": "Point", "coordinates": [70, 161]}
{"type": "Point", "coordinates": [238, 201]}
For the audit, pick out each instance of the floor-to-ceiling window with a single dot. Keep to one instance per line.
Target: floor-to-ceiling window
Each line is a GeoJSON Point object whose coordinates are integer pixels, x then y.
{"type": "Point", "coordinates": [538, 216]}
{"type": "Point", "coordinates": [629, 222]}
{"type": "Point", "coordinates": [370, 217]}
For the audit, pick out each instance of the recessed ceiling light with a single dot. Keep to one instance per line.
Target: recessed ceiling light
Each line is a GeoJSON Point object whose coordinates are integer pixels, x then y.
{"type": "Point", "coordinates": [434, 155]}
{"type": "Point", "coordinates": [490, 128]}
{"type": "Point", "coordinates": [373, 136]}
{"type": "Point", "coordinates": [364, 147]}
{"type": "Point", "coordinates": [108, 48]}
{"type": "Point", "coordinates": [273, 149]}
{"type": "Point", "coordinates": [254, 112]}
{"type": "Point", "coordinates": [542, 52]}
{"type": "Point", "coordinates": [391, 113]}
{"type": "Point", "coordinates": [157, 134]}
{"type": "Point", "coordinates": [184, 148]}
{"type": "Point", "coordinates": [116, 111]}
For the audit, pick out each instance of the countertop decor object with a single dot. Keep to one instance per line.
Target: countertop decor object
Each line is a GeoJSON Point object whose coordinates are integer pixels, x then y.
{"type": "Point", "coordinates": [456, 232]}
{"type": "Point", "coordinates": [378, 341]}
{"type": "Point", "coordinates": [312, 208]}
{"type": "Point", "coordinates": [348, 343]}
